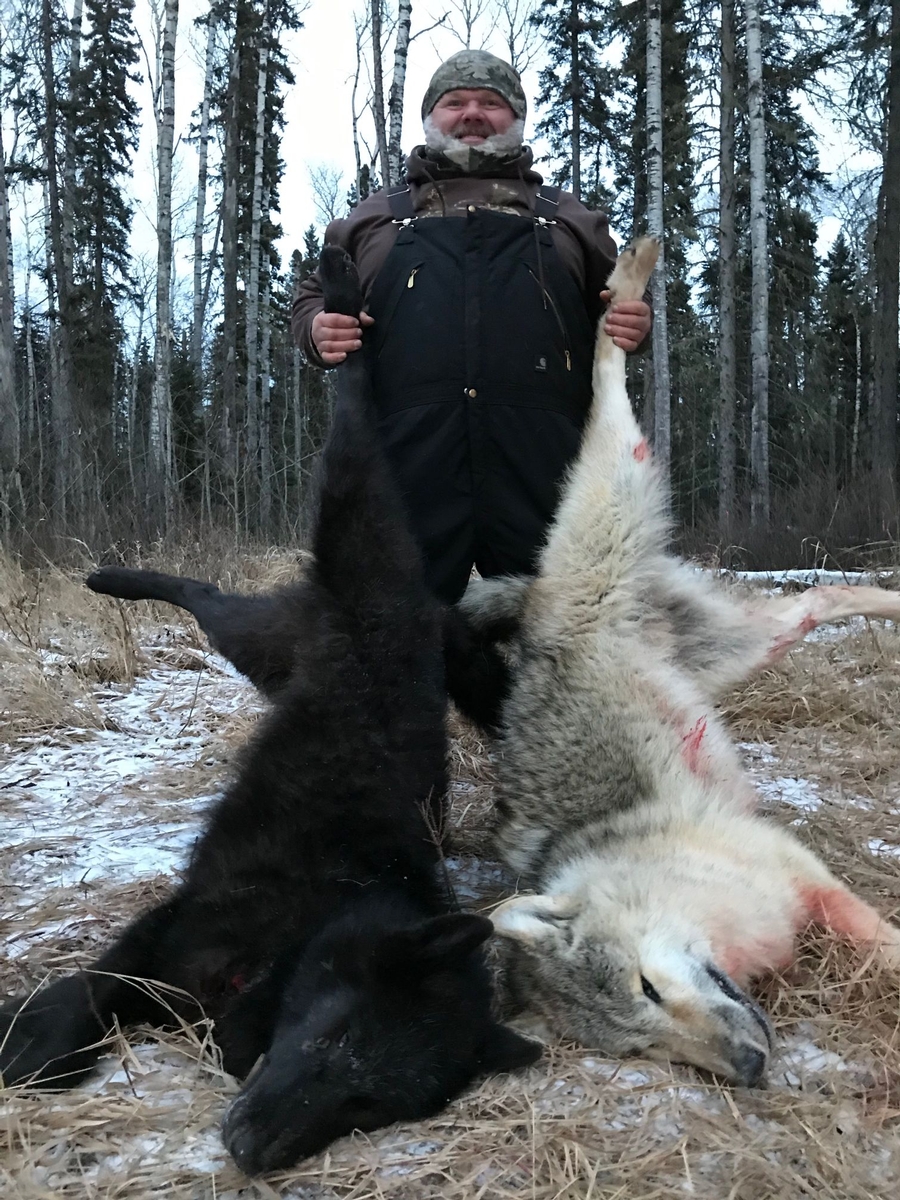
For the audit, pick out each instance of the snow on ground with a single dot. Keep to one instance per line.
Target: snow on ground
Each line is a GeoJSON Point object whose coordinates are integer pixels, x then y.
{"type": "Point", "coordinates": [69, 802]}
{"type": "Point", "coordinates": [111, 806]}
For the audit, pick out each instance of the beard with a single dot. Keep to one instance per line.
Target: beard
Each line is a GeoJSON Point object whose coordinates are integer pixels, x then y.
{"type": "Point", "coordinates": [495, 145]}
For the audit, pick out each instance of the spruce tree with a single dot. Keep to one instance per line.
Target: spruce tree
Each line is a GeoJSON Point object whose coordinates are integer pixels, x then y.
{"type": "Point", "coordinates": [104, 120]}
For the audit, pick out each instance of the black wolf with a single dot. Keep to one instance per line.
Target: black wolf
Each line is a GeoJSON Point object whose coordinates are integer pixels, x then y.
{"type": "Point", "coordinates": [313, 926]}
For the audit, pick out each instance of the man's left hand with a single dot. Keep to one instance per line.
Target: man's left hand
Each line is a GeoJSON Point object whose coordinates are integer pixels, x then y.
{"type": "Point", "coordinates": [627, 322]}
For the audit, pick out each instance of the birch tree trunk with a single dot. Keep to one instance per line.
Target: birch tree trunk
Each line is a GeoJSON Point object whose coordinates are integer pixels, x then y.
{"type": "Point", "coordinates": [887, 292]}
{"type": "Point", "coordinates": [231, 167]}
{"type": "Point", "coordinates": [759, 289]}
{"type": "Point", "coordinates": [662, 403]}
{"type": "Point", "coordinates": [575, 70]}
{"type": "Point", "coordinates": [359, 27]}
{"type": "Point", "coordinates": [68, 163]}
{"type": "Point", "coordinates": [10, 446]}
{"type": "Point", "coordinates": [857, 397]}
{"type": "Point", "coordinates": [727, 279]}
{"type": "Point", "coordinates": [296, 399]}
{"type": "Point", "coordinates": [131, 414]}
{"type": "Point", "coordinates": [378, 92]}
{"type": "Point", "coordinates": [398, 86]}
{"type": "Point", "coordinates": [200, 213]}
{"type": "Point", "coordinates": [67, 448]}
{"type": "Point", "coordinates": [251, 300]}
{"type": "Point", "coordinates": [161, 449]}
{"type": "Point", "coordinates": [265, 413]}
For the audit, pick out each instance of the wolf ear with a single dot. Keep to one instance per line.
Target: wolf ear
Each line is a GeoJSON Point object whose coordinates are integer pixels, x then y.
{"type": "Point", "coordinates": [506, 1050]}
{"type": "Point", "coordinates": [432, 945]}
{"type": "Point", "coordinates": [531, 919]}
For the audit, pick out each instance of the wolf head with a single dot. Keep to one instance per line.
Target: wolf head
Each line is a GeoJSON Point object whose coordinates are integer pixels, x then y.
{"type": "Point", "coordinates": [373, 1029]}
{"type": "Point", "coordinates": [614, 981]}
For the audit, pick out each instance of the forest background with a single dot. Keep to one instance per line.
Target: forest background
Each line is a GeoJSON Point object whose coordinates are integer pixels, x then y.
{"type": "Point", "coordinates": [163, 194]}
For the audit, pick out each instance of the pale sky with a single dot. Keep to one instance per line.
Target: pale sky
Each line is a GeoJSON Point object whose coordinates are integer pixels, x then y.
{"type": "Point", "coordinates": [317, 109]}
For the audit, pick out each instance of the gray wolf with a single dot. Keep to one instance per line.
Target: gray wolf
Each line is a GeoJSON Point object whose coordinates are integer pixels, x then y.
{"type": "Point", "coordinates": [659, 892]}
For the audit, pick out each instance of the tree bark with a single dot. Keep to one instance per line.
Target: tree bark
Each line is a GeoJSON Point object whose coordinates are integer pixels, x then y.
{"type": "Point", "coordinates": [759, 289]}
{"type": "Point", "coordinates": [887, 293]}
{"type": "Point", "coordinates": [200, 213]}
{"type": "Point", "coordinates": [251, 299]}
{"type": "Point", "coordinates": [378, 92]}
{"type": "Point", "coordinates": [231, 167]}
{"type": "Point", "coordinates": [265, 414]}
{"type": "Point", "coordinates": [67, 447]}
{"type": "Point", "coordinates": [10, 446]}
{"type": "Point", "coordinates": [662, 402]}
{"type": "Point", "coordinates": [398, 86]}
{"type": "Point", "coordinates": [161, 449]}
{"type": "Point", "coordinates": [727, 280]}
{"type": "Point", "coordinates": [297, 399]}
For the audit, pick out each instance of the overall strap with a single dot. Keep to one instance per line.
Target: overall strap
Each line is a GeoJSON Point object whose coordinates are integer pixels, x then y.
{"type": "Point", "coordinates": [546, 202]}
{"type": "Point", "coordinates": [400, 201]}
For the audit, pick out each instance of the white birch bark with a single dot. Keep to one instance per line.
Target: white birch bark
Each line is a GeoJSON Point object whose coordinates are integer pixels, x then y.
{"type": "Point", "coordinates": [296, 396]}
{"type": "Point", "coordinates": [378, 91]}
{"type": "Point", "coordinates": [265, 411]}
{"type": "Point", "coordinates": [398, 86]}
{"type": "Point", "coordinates": [10, 447]}
{"type": "Point", "coordinates": [727, 278]}
{"type": "Point", "coordinates": [251, 299]}
{"type": "Point", "coordinates": [662, 404]}
{"type": "Point", "coordinates": [66, 446]}
{"type": "Point", "coordinates": [199, 307]}
{"type": "Point", "coordinates": [857, 396]}
{"type": "Point", "coordinates": [68, 163]}
{"type": "Point", "coordinates": [161, 449]}
{"type": "Point", "coordinates": [230, 258]}
{"type": "Point", "coordinates": [887, 293]}
{"type": "Point", "coordinates": [359, 27]}
{"type": "Point", "coordinates": [759, 288]}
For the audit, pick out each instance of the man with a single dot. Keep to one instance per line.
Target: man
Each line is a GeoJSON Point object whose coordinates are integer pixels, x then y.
{"type": "Point", "coordinates": [482, 289]}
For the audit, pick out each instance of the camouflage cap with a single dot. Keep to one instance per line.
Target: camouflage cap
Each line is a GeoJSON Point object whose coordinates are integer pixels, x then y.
{"type": "Point", "coordinates": [476, 69]}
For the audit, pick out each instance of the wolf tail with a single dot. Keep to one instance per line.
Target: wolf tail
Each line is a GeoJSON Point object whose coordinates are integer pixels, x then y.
{"type": "Point", "coordinates": [612, 520]}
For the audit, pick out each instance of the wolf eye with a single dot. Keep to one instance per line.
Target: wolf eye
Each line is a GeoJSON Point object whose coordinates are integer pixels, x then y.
{"type": "Point", "coordinates": [650, 991]}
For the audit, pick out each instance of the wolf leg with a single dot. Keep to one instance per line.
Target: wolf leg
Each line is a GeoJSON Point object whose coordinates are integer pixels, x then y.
{"type": "Point", "coordinates": [247, 630]}
{"type": "Point", "coordinates": [612, 517]}
{"type": "Point", "coordinates": [789, 619]}
{"type": "Point", "coordinates": [721, 640]}
{"type": "Point", "coordinates": [835, 907]}
{"type": "Point", "coordinates": [55, 1036]}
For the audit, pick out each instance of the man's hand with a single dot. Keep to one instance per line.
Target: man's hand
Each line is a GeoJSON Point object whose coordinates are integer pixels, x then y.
{"type": "Point", "coordinates": [336, 335]}
{"type": "Point", "coordinates": [627, 322]}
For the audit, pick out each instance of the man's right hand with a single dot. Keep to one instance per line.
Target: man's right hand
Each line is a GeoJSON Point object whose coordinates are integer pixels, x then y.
{"type": "Point", "coordinates": [336, 335]}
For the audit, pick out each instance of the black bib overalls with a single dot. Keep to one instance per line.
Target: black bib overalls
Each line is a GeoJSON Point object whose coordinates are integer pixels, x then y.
{"type": "Point", "coordinates": [481, 365]}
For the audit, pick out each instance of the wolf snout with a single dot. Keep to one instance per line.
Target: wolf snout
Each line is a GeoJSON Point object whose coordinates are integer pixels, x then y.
{"type": "Point", "coordinates": [749, 1065]}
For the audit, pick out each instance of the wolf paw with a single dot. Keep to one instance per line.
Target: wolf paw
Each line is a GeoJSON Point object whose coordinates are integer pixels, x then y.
{"type": "Point", "coordinates": [340, 282]}
{"type": "Point", "coordinates": [633, 269]}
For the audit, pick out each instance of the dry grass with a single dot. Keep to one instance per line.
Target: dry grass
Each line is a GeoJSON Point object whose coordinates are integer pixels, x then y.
{"type": "Point", "coordinates": [574, 1127]}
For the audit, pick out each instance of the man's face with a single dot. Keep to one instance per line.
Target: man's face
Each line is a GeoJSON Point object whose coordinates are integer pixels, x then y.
{"type": "Point", "coordinates": [472, 114]}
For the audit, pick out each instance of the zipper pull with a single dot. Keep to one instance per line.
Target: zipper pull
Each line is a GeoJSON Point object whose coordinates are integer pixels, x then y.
{"type": "Point", "coordinates": [412, 278]}
{"type": "Point", "coordinates": [568, 361]}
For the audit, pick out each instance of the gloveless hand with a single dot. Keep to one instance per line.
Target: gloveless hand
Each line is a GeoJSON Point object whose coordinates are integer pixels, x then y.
{"type": "Point", "coordinates": [627, 322]}
{"type": "Point", "coordinates": [336, 335]}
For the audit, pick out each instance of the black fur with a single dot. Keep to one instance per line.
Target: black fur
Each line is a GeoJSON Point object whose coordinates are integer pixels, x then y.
{"type": "Point", "coordinates": [312, 925]}
{"type": "Point", "coordinates": [259, 636]}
